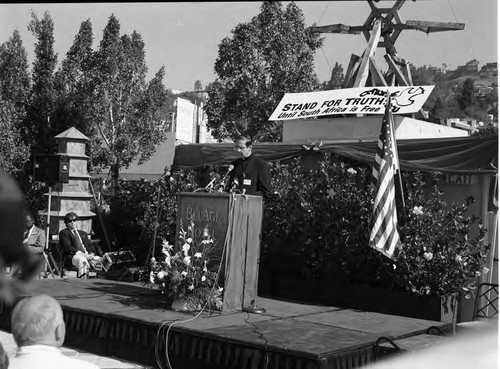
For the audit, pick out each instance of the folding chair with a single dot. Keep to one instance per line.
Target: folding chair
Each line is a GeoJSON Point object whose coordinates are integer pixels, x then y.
{"type": "Point", "coordinates": [486, 302]}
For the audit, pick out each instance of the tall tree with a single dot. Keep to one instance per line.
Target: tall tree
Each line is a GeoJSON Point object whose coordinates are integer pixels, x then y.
{"type": "Point", "coordinates": [336, 78]}
{"type": "Point", "coordinates": [39, 122]}
{"type": "Point", "coordinates": [262, 60]}
{"type": "Point", "coordinates": [73, 83]}
{"type": "Point", "coordinates": [75, 90]}
{"type": "Point", "coordinates": [14, 97]}
{"type": "Point", "coordinates": [14, 153]}
{"type": "Point", "coordinates": [14, 71]}
{"type": "Point", "coordinates": [465, 96]}
{"type": "Point", "coordinates": [127, 109]}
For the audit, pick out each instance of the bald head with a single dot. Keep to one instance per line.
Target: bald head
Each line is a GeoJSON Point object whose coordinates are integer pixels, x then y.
{"type": "Point", "coordinates": [38, 320]}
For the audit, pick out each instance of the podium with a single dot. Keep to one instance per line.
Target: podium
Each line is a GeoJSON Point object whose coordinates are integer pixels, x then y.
{"type": "Point", "coordinates": [235, 223]}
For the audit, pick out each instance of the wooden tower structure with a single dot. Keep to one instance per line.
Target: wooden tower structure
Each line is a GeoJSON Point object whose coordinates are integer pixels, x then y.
{"type": "Point", "coordinates": [381, 30]}
{"type": "Point", "coordinates": [75, 195]}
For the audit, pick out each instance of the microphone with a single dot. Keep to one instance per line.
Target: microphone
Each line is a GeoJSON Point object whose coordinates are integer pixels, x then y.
{"type": "Point", "coordinates": [215, 177]}
{"type": "Point", "coordinates": [229, 169]}
{"type": "Point", "coordinates": [235, 184]}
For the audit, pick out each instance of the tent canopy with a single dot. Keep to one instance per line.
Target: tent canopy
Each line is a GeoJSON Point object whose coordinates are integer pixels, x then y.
{"type": "Point", "coordinates": [153, 168]}
{"type": "Point", "coordinates": [464, 155]}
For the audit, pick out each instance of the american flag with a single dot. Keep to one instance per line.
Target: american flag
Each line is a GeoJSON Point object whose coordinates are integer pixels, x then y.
{"type": "Point", "coordinates": [384, 235]}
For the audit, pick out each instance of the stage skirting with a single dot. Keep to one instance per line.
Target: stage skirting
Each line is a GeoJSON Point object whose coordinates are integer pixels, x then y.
{"type": "Point", "coordinates": [129, 321]}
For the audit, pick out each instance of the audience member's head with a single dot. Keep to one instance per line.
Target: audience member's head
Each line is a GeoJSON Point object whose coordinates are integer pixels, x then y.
{"type": "Point", "coordinates": [29, 220]}
{"type": "Point", "coordinates": [38, 320]}
{"type": "Point", "coordinates": [70, 220]}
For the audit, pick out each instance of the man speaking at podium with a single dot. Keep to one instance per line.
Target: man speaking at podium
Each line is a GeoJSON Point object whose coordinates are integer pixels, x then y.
{"type": "Point", "coordinates": [250, 174]}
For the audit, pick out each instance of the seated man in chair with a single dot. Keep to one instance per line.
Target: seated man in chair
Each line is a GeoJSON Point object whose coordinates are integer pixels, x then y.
{"type": "Point", "coordinates": [76, 247]}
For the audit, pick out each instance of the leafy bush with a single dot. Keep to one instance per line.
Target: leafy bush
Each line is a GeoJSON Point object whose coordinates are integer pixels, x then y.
{"type": "Point", "coordinates": [443, 250]}
{"type": "Point", "coordinates": [131, 219]}
{"type": "Point", "coordinates": [318, 226]}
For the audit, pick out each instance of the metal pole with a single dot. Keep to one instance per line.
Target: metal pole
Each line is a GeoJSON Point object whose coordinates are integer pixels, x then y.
{"type": "Point", "coordinates": [156, 220]}
{"type": "Point", "coordinates": [47, 232]}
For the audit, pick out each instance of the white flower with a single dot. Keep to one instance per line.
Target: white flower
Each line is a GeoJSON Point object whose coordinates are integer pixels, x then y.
{"type": "Point", "coordinates": [191, 287]}
{"type": "Point", "coordinates": [352, 171]}
{"type": "Point", "coordinates": [427, 290]}
{"type": "Point", "coordinates": [189, 240]}
{"type": "Point", "coordinates": [152, 277]}
{"type": "Point", "coordinates": [153, 260]}
{"type": "Point", "coordinates": [220, 289]}
{"type": "Point", "coordinates": [417, 210]}
{"type": "Point", "coordinates": [393, 266]}
{"type": "Point", "coordinates": [205, 269]}
{"type": "Point", "coordinates": [167, 260]}
{"type": "Point", "coordinates": [185, 249]}
{"type": "Point", "coordinates": [203, 279]}
{"type": "Point", "coordinates": [197, 255]}
{"type": "Point", "coordinates": [166, 246]}
{"type": "Point", "coordinates": [184, 273]}
{"type": "Point", "coordinates": [428, 255]}
{"type": "Point", "coordinates": [478, 273]}
{"type": "Point", "coordinates": [187, 260]}
{"type": "Point", "coordinates": [160, 275]}
{"type": "Point", "coordinates": [458, 258]}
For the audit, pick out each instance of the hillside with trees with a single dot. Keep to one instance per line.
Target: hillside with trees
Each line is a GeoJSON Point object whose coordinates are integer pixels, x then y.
{"type": "Point", "coordinates": [462, 93]}
{"type": "Point", "coordinates": [468, 93]}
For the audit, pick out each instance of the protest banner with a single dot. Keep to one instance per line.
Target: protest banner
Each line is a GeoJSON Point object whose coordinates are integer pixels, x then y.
{"type": "Point", "coordinates": [364, 100]}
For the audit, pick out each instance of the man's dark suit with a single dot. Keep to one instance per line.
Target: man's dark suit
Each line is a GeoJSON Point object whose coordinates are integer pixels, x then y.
{"type": "Point", "coordinates": [252, 175]}
{"type": "Point", "coordinates": [69, 246]}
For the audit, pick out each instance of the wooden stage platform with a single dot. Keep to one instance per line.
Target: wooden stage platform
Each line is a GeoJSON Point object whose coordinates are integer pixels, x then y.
{"type": "Point", "coordinates": [129, 321]}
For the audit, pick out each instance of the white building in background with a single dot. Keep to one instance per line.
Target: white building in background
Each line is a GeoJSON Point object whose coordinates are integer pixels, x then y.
{"type": "Point", "coordinates": [189, 122]}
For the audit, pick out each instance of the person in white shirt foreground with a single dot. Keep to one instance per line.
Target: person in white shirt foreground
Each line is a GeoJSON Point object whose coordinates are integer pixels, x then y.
{"type": "Point", "coordinates": [38, 328]}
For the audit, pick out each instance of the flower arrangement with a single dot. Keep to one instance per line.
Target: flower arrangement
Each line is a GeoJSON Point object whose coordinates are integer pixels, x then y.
{"type": "Point", "coordinates": [184, 276]}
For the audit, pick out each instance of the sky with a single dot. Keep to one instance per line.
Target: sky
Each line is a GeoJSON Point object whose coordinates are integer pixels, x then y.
{"type": "Point", "coordinates": [184, 36]}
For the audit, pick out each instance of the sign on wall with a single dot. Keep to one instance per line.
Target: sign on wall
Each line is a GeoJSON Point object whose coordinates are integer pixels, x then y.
{"type": "Point", "coordinates": [363, 100]}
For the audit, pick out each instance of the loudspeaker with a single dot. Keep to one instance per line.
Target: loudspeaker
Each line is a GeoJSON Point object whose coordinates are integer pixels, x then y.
{"type": "Point", "coordinates": [51, 168]}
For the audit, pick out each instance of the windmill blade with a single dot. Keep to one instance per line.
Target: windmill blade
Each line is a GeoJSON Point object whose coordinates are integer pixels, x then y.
{"type": "Point", "coordinates": [334, 28]}
{"type": "Point", "coordinates": [431, 27]}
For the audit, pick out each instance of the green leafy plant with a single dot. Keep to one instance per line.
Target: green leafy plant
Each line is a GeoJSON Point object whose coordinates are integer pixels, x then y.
{"type": "Point", "coordinates": [318, 227]}
{"type": "Point", "coordinates": [443, 250]}
{"type": "Point", "coordinates": [140, 207]}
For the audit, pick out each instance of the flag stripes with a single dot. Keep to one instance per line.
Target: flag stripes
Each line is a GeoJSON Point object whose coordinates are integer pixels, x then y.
{"type": "Point", "coordinates": [384, 235]}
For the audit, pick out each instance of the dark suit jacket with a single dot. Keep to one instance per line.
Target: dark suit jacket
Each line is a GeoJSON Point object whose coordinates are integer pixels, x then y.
{"type": "Point", "coordinates": [253, 175]}
{"type": "Point", "coordinates": [69, 246]}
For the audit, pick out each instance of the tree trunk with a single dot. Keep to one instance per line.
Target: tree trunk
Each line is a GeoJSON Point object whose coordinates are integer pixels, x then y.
{"type": "Point", "coordinates": [115, 175]}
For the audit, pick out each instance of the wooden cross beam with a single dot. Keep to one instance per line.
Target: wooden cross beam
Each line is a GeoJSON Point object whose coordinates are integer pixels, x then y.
{"type": "Point", "coordinates": [391, 25]}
